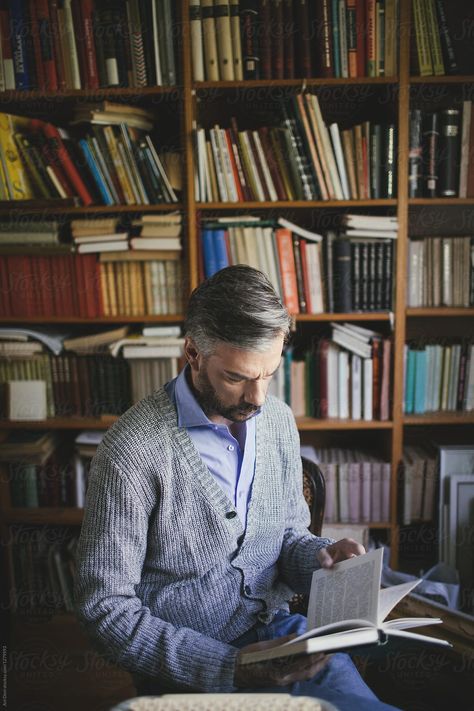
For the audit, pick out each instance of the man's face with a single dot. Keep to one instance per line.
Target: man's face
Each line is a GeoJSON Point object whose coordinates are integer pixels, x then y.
{"type": "Point", "coordinates": [231, 384]}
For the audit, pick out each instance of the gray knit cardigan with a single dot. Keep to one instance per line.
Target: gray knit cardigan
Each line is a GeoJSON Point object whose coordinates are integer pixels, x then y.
{"type": "Point", "coordinates": [165, 580]}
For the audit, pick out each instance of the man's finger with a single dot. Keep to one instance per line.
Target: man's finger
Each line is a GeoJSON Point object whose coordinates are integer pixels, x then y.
{"type": "Point", "coordinates": [324, 558]}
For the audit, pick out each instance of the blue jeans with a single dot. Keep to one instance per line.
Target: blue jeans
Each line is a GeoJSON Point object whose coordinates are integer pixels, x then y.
{"type": "Point", "coordinates": [339, 682]}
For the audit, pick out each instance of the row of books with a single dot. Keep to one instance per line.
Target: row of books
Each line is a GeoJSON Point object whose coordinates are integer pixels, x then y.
{"type": "Point", "coordinates": [313, 274]}
{"type": "Point", "coordinates": [43, 569]}
{"type": "Point", "coordinates": [346, 377]}
{"type": "Point", "coordinates": [439, 377]}
{"type": "Point", "coordinates": [86, 44]}
{"type": "Point", "coordinates": [81, 285]}
{"type": "Point", "coordinates": [440, 272]}
{"type": "Point", "coordinates": [420, 479]}
{"type": "Point", "coordinates": [111, 161]}
{"type": "Point", "coordinates": [241, 39]}
{"type": "Point", "coordinates": [299, 158]}
{"type": "Point", "coordinates": [357, 484]}
{"type": "Point", "coordinates": [434, 50]}
{"type": "Point", "coordinates": [441, 149]}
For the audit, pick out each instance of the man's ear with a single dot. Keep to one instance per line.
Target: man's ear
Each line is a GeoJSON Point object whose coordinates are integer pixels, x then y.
{"type": "Point", "coordinates": [191, 353]}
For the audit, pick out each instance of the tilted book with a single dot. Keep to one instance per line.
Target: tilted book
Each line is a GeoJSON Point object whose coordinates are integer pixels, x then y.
{"type": "Point", "coordinates": [347, 609]}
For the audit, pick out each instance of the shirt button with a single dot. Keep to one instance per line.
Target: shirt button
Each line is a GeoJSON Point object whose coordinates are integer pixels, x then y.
{"type": "Point", "coordinates": [231, 447]}
{"type": "Point", "coordinates": [231, 514]}
{"type": "Point", "coordinates": [247, 590]}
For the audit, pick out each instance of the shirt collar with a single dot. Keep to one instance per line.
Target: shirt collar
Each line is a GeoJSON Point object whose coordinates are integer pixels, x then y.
{"type": "Point", "coordinates": [189, 411]}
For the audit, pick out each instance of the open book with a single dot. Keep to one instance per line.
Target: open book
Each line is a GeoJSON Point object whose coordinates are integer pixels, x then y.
{"type": "Point", "coordinates": [347, 609]}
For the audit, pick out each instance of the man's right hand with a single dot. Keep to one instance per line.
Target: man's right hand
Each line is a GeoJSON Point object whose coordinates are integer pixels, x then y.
{"type": "Point", "coordinates": [277, 672]}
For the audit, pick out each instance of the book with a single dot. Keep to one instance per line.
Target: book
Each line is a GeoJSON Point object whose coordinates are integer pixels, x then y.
{"type": "Point", "coordinates": [355, 583]}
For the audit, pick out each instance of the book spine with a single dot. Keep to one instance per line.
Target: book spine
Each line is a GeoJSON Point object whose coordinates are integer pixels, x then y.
{"type": "Point", "coordinates": [287, 269]}
{"type": "Point", "coordinates": [236, 39]}
{"type": "Point", "coordinates": [92, 74]}
{"type": "Point", "coordinates": [18, 41]}
{"type": "Point", "coordinates": [289, 40]}
{"type": "Point", "coordinates": [303, 306]}
{"type": "Point", "coordinates": [415, 154]}
{"type": "Point", "coordinates": [390, 168]}
{"type": "Point", "coordinates": [336, 44]}
{"type": "Point", "coordinates": [276, 40]}
{"type": "Point", "coordinates": [195, 25]}
{"type": "Point", "coordinates": [342, 276]}
{"type": "Point", "coordinates": [249, 29]}
{"type": "Point", "coordinates": [449, 147]}
{"type": "Point", "coordinates": [352, 37]}
{"type": "Point", "coordinates": [370, 42]}
{"type": "Point", "coordinates": [447, 45]}
{"type": "Point", "coordinates": [224, 40]}
{"type": "Point", "coordinates": [325, 53]}
{"type": "Point", "coordinates": [430, 139]}
{"type": "Point", "coordinates": [425, 65]}
{"type": "Point", "coordinates": [434, 37]}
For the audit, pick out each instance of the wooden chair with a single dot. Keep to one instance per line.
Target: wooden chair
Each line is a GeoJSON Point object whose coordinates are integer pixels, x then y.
{"type": "Point", "coordinates": [314, 490]}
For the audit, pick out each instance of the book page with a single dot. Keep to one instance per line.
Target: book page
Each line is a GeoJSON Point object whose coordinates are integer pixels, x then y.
{"type": "Point", "coordinates": [389, 597]}
{"type": "Point", "coordinates": [346, 591]}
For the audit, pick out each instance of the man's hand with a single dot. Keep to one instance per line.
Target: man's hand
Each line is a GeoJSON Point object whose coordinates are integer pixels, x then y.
{"type": "Point", "coordinates": [277, 672]}
{"type": "Point", "coordinates": [341, 550]}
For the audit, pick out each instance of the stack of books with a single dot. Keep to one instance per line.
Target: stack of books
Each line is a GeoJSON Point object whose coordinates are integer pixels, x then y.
{"type": "Point", "coordinates": [158, 232]}
{"type": "Point", "coordinates": [433, 50]}
{"type": "Point", "coordinates": [28, 235]}
{"type": "Point", "coordinates": [89, 44]}
{"type": "Point", "coordinates": [154, 358]}
{"type": "Point", "coordinates": [441, 161]}
{"type": "Point", "coordinates": [235, 40]}
{"type": "Point", "coordinates": [98, 235]}
{"type": "Point", "coordinates": [439, 377]}
{"type": "Point", "coordinates": [113, 163]}
{"type": "Point", "coordinates": [298, 158]}
{"type": "Point", "coordinates": [357, 485]}
{"type": "Point", "coordinates": [440, 272]}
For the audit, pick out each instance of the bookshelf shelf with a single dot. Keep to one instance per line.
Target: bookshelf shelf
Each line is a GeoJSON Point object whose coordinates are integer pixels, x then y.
{"type": "Point", "coordinates": [459, 79]}
{"type": "Point", "coordinates": [308, 423]}
{"type": "Point", "coordinates": [165, 318]}
{"type": "Point", "coordinates": [441, 418]}
{"type": "Point", "coordinates": [438, 202]}
{"type": "Point", "coordinates": [12, 209]}
{"type": "Point", "coordinates": [350, 316]}
{"type": "Point", "coordinates": [60, 423]}
{"type": "Point", "coordinates": [270, 85]}
{"type": "Point", "coordinates": [295, 204]}
{"type": "Point", "coordinates": [439, 312]}
{"type": "Point", "coordinates": [126, 93]}
{"type": "Point", "coordinates": [66, 516]}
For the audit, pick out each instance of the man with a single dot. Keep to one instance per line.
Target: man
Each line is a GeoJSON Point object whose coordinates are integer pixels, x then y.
{"type": "Point", "coordinates": [195, 530]}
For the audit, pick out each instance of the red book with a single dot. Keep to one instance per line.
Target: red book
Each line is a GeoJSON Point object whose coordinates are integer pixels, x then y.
{"type": "Point", "coordinates": [98, 291]}
{"type": "Point", "coordinates": [46, 44]}
{"type": "Point", "coordinates": [45, 285]}
{"type": "Point", "coordinates": [38, 306]}
{"type": "Point", "coordinates": [35, 36]}
{"type": "Point", "coordinates": [69, 261]}
{"type": "Point", "coordinates": [56, 44]}
{"type": "Point", "coordinates": [87, 13]}
{"type": "Point", "coordinates": [266, 35]}
{"type": "Point", "coordinates": [5, 31]}
{"type": "Point", "coordinates": [361, 38]}
{"type": "Point", "coordinates": [18, 294]}
{"type": "Point", "coordinates": [80, 290]}
{"type": "Point", "coordinates": [323, 39]}
{"type": "Point", "coordinates": [370, 50]}
{"type": "Point", "coordinates": [277, 40]}
{"type": "Point", "coordinates": [287, 269]}
{"type": "Point", "coordinates": [59, 149]}
{"type": "Point", "coordinates": [90, 285]}
{"type": "Point", "coordinates": [5, 305]}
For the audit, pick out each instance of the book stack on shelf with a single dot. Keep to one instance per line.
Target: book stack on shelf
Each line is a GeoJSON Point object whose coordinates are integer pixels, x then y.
{"type": "Point", "coordinates": [441, 150]}
{"type": "Point", "coordinates": [345, 270]}
{"type": "Point", "coordinates": [234, 40]}
{"type": "Point", "coordinates": [298, 158]}
{"type": "Point", "coordinates": [439, 377]}
{"type": "Point", "coordinates": [440, 272]}
{"type": "Point", "coordinates": [87, 44]}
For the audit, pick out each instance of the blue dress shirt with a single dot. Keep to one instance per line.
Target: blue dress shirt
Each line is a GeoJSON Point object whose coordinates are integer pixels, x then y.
{"type": "Point", "coordinates": [230, 460]}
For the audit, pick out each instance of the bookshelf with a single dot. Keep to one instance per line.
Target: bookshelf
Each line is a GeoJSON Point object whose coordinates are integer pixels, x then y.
{"type": "Point", "coordinates": [188, 99]}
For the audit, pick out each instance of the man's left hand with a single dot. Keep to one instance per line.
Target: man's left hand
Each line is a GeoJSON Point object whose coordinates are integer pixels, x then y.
{"type": "Point", "coordinates": [341, 550]}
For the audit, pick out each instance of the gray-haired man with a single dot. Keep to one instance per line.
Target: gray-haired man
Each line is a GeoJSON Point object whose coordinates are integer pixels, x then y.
{"type": "Point", "coordinates": [195, 530]}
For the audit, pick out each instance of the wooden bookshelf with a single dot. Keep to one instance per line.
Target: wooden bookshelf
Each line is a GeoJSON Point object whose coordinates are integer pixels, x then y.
{"type": "Point", "coordinates": [186, 97]}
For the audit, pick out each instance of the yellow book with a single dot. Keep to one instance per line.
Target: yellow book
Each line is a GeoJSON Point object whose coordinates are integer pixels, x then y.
{"type": "Point", "coordinates": [146, 276]}
{"type": "Point", "coordinates": [134, 288]}
{"type": "Point", "coordinates": [140, 287]}
{"type": "Point", "coordinates": [112, 289]}
{"type": "Point", "coordinates": [14, 174]}
{"type": "Point", "coordinates": [103, 289]}
{"type": "Point", "coordinates": [127, 291]}
{"type": "Point", "coordinates": [118, 165]}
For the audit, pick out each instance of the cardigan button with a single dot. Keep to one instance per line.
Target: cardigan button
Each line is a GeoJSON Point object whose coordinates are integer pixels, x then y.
{"type": "Point", "coordinates": [231, 514]}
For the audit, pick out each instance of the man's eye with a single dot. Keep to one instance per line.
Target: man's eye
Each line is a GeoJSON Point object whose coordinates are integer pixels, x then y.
{"type": "Point", "coordinates": [234, 380]}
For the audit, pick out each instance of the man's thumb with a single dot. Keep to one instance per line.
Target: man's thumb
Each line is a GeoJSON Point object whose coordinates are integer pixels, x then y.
{"type": "Point", "coordinates": [324, 558]}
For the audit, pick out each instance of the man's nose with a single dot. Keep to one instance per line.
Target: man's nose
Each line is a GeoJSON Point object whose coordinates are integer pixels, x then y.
{"type": "Point", "coordinates": [255, 393]}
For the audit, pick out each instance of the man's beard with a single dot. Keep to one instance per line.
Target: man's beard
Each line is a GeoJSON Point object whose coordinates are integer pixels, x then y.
{"type": "Point", "coordinates": [212, 405]}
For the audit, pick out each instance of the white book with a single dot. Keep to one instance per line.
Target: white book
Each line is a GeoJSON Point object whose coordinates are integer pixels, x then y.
{"type": "Point", "coordinates": [313, 254]}
{"type": "Point", "coordinates": [218, 164]}
{"type": "Point", "coordinates": [90, 239]}
{"type": "Point", "coordinates": [301, 231]}
{"type": "Point", "coordinates": [333, 380]}
{"type": "Point", "coordinates": [340, 162]}
{"type": "Point", "coordinates": [26, 400]}
{"type": "Point", "coordinates": [364, 334]}
{"type": "Point", "coordinates": [271, 259]}
{"type": "Point", "coordinates": [465, 148]}
{"type": "Point", "coordinates": [229, 177]}
{"type": "Point", "coordinates": [195, 26]}
{"type": "Point", "coordinates": [152, 352]}
{"type": "Point", "coordinates": [356, 387]}
{"type": "Point", "coordinates": [161, 331]}
{"type": "Point", "coordinates": [367, 380]}
{"type": "Point", "coordinates": [236, 39]}
{"type": "Point", "coordinates": [261, 252]}
{"type": "Point", "coordinates": [370, 234]}
{"type": "Point", "coordinates": [327, 147]}
{"type": "Point", "coordinates": [156, 243]}
{"type": "Point", "coordinates": [359, 616]}
{"type": "Point", "coordinates": [353, 344]}
{"type": "Point", "coordinates": [92, 247]}
{"type": "Point", "coordinates": [374, 222]}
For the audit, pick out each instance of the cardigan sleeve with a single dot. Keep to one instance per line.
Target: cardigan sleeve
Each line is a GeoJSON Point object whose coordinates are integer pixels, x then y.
{"type": "Point", "coordinates": [298, 552]}
{"type": "Point", "coordinates": [111, 552]}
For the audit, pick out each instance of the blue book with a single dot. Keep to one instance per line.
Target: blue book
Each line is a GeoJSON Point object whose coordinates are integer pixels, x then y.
{"type": "Point", "coordinates": [335, 38]}
{"type": "Point", "coordinates": [208, 253]}
{"type": "Point", "coordinates": [93, 167]}
{"type": "Point", "coordinates": [19, 31]}
{"type": "Point", "coordinates": [410, 382]}
{"type": "Point", "coordinates": [420, 382]}
{"type": "Point", "coordinates": [220, 249]}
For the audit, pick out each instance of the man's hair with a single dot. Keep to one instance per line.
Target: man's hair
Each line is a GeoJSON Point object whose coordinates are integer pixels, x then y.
{"type": "Point", "coordinates": [238, 306]}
